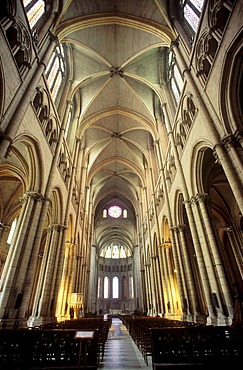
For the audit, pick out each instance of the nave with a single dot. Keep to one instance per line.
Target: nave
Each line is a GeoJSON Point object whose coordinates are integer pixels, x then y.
{"type": "Point", "coordinates": [120, 350]}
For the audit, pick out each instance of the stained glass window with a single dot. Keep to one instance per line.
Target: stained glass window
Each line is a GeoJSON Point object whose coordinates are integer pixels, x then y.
{"type": "Point", "coordinates": [131, 292]}
{"type": "Point", "coordinates": [115, 251]}
{"type": "Point", "coordinates": [115, 211]}
{"type": "Point", "coordinates": [191, 11]}
{"type": "Point", "coordinates": [57, 84]}
{"type": "Point", "coordinates": [12, 229]}
{"type": "Point", "coordinates": [106, 287]}
{"type": "Point", "coordinates": [34, 10]}
{"type": "Point", "coordinates": [115, 287]}
{"type": "Point", "coordinates": [55, 70]}
{"type": "Point", "coordinates": [175, 78]}
{"type": "Point", "coordinates": [191, 17]}
{"type": "Point", "coordinates": [98, 293]}
{"type": "Point", "coordinates": [68, 123]}
{"type": "Point", "coordinates": [198, 4]}
{"type": "Point", "coordinates": [122, 252]}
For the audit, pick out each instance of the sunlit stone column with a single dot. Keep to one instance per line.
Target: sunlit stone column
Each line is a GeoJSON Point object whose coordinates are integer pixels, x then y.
{"type": "Point", "coordinates": [218, 280]}
{"type": "Point", "coordinates": [17, 267]}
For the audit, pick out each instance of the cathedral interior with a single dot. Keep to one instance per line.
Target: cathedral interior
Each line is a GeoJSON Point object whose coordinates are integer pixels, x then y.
{"type": "Point", "coordinates": [121, 160]}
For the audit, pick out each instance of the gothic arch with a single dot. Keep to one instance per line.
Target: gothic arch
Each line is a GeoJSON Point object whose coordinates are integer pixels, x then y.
{"type": "Point", "coordinates": [70, 230]}
{"type": "Point", "coordinates": [2, 89]}
{"type": "Point", "coordinates": [18, 175]}
{"type": "Point", "coordinates": [25, 151]}
{"type": "Point", "coordinates": [179, 209]}
{"type": "Point", "coordinates": [232, 101]}
{"type": "Point", "coordinates": [224, 215]}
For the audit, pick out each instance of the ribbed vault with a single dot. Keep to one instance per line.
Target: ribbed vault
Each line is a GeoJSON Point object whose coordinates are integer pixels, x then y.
{"type": "Point", "coordinates": [116, 63]}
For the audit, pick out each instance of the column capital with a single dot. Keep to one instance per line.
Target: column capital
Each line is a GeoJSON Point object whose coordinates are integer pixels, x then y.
{"type": "Point", "coordinates": [215, 154]}
{"type": "Point", "coordinates": [182, 227]}
{"type": "Point", "coordinates": [32, 195]}
{"type": "Point", "coordinates": [175, 229]}
{"type": "Point", "coordinates": [230, 140]}
{"type": "Point", "coordinates": [175, 42]}
{"type": "Point", "coordinates": [166, 245]}
{"type": "Point", "coordinates": [154, 256]}
{"type": "Point", "coordinates": [56, 227]}
{"type": "Point", "coordinates": [3, 226]}
{"type": "Point", "coordinates": [229, 229]}
{"type": "Point", "coordinates": [201, 197]}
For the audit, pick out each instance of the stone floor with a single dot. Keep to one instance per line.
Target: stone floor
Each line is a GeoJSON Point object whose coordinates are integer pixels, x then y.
{"type": "Point", "coordinates": [121, 352]}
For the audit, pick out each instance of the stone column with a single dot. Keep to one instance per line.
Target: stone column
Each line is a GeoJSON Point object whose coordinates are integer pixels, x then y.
{"type": "Point", "coordinates": [153, 259]}
{"type": "Point", "coordinates": [236, 246]}
{"type": "Point", "coordinates": [163, 300]}
{"type": "Point", "coordinates": [218, 280]}
{"type": "Point", "coordinates": [166, 287]}
{"type": "Point", "coordinates": [92, 296]}
{"type": "Point", "coordinates": [27, 97]}
{"type": "Point", "coordinates": [17, 268]}
{"type": "Point", "coordinates": [64, 291]}
{"type": "Point", "coordinates": [4, 232]}
{"type": "Point", "coordinates": [179, 268]}
{"type": "Point", "coordinates": [189, 298]}
{"type": "Point", "coordinates": [47, 278]}
{"type": "Point", "coordinates": [208, 119]}
{"type": "Point", "coordinates": [205, 267]}
{"type": "Point", "coordinates": [137, 279]}
{"type": "Point", "coordinates": [159, 287]}
{"type": "Point", "coordinates": [231, 144]}
{"type": "Point", "coordinates": [148, 287]}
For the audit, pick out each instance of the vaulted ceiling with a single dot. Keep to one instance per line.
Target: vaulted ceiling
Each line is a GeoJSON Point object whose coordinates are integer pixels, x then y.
{"type": "Point", "coordinates": [116, 72]}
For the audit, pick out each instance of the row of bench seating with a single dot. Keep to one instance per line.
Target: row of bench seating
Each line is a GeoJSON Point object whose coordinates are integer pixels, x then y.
{"type": "Point", "coordinates": [173, 344]}
{"type": "Point", "coordinates": [55, 346]}
{"type": "Point", "coordinates": [139, 327]}
{"type": "Point", "coordinates": [49, 349]}
{"type": "Point", "coordinates": [197, 347]}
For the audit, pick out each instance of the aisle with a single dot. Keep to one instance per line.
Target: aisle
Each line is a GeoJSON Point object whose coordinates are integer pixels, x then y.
{"type": "Point", "coordinates": [121, 352]}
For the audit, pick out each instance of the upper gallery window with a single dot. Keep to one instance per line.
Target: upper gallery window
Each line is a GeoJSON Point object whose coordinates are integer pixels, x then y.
{"type": "Point", "coordinates": [34, 10]}
{"type": "Point", "coordinates": [175, 77]}
{"type": "Point", "coordinates": [115, 251]}
{"type": "Point", "coordinates": [191, 12]}
{"type": "Point", "coordinates": [55, 70]}
{"type": "Point", "coordinates": [115, 211]}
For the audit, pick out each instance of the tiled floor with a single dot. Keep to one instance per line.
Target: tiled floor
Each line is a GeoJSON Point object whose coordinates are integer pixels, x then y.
{"type": "Point", "coordinates": [121, 352]}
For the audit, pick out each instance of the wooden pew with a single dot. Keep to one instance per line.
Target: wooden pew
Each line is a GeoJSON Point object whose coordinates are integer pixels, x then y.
{"type": "Point", "coordinates": [27, 349]}
{"type": "Point", "coordinates": [139, 328]}
{"type": "Point", "coordinates": [97, 322]}
{"type": "Point", "coordinates": [197, 347]}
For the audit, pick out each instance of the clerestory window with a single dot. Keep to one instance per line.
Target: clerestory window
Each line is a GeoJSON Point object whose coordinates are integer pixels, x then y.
{"type": "Point", "coordinates": [191, 12]}
{"type": "Point", "coordinates": [115, 287]}
{"type": "Point", "coordinates": [115, 250]}
{"type": "Point", "coordinates": [34, 11]}
{"type": "Point", "coordinates": [55, 70]}
{"type": "Point", "coordinates": [114, 212]}
{"type": "Point", "coordinates": [174, 77]}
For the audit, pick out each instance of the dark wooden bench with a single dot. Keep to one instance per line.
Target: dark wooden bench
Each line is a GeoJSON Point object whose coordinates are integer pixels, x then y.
{"type": "Point", "coordinates": [27, 349]}
{"type": "Point", "coordinates": [87, 323]}
{"type": "Point", "coordinates": [197, 347]}
{"type": "Point", "coordinates": [139, 328]}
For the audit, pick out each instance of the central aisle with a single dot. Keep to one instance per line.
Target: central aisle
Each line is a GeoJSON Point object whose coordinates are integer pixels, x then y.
{"type": "Point", "coordinates": [120, 350]}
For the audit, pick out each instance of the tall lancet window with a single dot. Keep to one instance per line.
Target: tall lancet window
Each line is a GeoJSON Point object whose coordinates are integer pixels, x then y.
{"type": "Point", "coordinates": [106, 287]}
{"type": "Point", "coordinates": [55, 70]}
{"type": "Point", "coordinates": [34, 10]}
{"type": "Point", "coordinates": [191, 12]}
{"type": "Point", "coordinates": [115, 287]}
{"type": "Point", "coordinates": [174, 76]}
